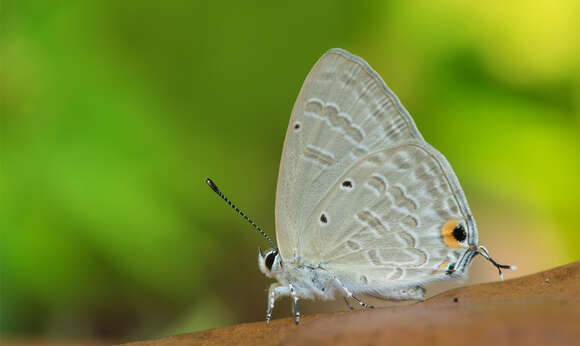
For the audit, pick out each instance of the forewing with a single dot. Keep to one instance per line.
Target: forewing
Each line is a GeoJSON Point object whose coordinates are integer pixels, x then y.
{"type": "Point", "coordinates": [383, 222]}
{"type": "Point", "coordinates": [344, 111]}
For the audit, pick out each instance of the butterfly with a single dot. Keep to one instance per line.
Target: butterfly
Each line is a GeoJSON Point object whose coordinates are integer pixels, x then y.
{"type": "Point", "coordinates": [364, 205]}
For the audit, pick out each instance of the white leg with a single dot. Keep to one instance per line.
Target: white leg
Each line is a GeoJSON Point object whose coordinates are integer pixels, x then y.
{"type": "Point", "coordinates": [348, 303]}
{"type": "Point", "coordinates": [294, 303]}
{"type": "Point", "coordinates": [276, 291]}
{"type": "Point", "coordinates": [349, 294]}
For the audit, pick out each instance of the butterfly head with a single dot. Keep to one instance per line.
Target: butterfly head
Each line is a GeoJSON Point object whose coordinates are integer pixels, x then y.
{"type": "Point", "coordinates": [270, 262]}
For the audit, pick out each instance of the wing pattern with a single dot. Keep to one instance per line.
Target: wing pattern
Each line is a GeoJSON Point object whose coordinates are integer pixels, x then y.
{"type": "Point", "coordinates": [359, 190]}
{"type": "Point", "coordinates": [383, 219]}
{"type": "Point", "coordinates": [344, 111]}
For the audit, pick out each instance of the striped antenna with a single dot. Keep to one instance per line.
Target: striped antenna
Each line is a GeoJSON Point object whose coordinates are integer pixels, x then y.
{"type": "Point", "coordinates": [219, 193]}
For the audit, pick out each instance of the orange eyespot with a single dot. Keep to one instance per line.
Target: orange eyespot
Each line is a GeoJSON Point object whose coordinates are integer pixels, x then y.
{"type": "Point", "coordinates": [444, 265]}
{"type": "Point", "coordinates": [453, 233]}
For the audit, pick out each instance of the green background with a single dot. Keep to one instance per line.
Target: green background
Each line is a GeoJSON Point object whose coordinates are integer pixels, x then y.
{"type": "Point", "coordinates": [114, 112]}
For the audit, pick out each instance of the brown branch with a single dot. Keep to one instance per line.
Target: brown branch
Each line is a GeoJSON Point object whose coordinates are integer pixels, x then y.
{"type": "Point", "coordinates": [540, 309]}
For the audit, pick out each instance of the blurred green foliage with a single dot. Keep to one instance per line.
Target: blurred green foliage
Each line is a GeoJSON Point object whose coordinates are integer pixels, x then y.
{"type": "Point", "coordinates": [113, 113]}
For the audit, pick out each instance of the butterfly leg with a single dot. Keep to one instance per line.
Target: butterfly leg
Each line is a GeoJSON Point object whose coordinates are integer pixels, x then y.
{"type": "Point", "coordinates": [294, 303]}
{"type": "Point", "coordinates": [348, 304]}
{"type": "Point", "coordinates": [349, 295]}
{"type": "Point", "coordinates": [276, 291]}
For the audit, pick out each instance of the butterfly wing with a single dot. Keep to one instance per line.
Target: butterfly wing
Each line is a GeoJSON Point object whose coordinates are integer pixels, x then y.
{"type": "Point", "coordinates": [344, 111]}
{"type": "Point", "coordinates": [388, 220]}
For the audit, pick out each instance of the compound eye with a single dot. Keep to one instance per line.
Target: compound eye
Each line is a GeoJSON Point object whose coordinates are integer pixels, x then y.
{"type": "Point", "coordinates": [270, 257]}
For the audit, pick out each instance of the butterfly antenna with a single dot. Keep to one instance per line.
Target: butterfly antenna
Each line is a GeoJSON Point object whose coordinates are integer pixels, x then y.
{"type": "Point", "coordinates": [219, 193]}
{"type": "Point", "coordinates": [483, 251]}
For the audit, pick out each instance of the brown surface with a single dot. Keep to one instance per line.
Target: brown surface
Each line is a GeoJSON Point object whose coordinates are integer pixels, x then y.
{"type": "Point", "coordinates": [540, 309]}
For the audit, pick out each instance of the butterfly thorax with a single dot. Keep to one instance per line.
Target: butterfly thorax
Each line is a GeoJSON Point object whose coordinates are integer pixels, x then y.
{"type": "Point", "coordinates": [310, 281]}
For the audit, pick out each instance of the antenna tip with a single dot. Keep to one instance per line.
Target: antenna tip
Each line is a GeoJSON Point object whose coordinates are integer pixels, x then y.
{"type": "Point", "coordinates": [513, 267]}
{"type": "Point", "coordinates": [212, 185]}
